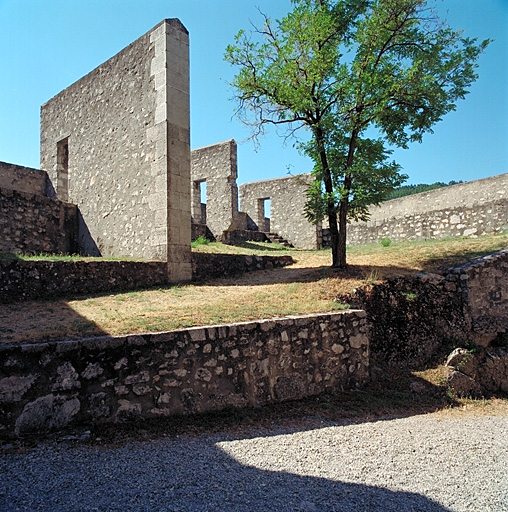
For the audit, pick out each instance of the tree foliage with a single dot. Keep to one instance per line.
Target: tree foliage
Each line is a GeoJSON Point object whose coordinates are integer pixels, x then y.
{"type": "Point", "coordinates": [340, 69]}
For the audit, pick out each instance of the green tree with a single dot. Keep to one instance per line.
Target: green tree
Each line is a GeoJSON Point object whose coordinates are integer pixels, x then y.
{"type": "Point", "coordinates": [339, 68]}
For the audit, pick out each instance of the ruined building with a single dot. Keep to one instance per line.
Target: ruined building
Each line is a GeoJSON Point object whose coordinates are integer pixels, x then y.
{"type": "Point", "coordinates": [116, 144]}
{"type": "Point", "coordinates": [118, 177]}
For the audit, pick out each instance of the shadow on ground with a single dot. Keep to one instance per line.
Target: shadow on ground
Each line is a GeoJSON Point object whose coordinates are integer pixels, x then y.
{"type": "Point", "coordinates": [181, 474]}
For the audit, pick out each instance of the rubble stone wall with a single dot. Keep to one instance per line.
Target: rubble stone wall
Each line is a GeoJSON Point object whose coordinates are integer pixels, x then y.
{"type": "Point", "coordinates": [33, 224]}
{"type": "Point", "coordinates": [23, 179]}
{"type": "Point", "coordinates": [466, 209]}
{"type": "Point", "coordinates": [411, 317]}
{"type": "Point", "coordinates": [22, 280]}
{"type": "Point", "coordinates": [287, 200]}
{"type": "Point", "coordinates": [50, 386]}
{"type": "Point", "coordinates": [485, 287]}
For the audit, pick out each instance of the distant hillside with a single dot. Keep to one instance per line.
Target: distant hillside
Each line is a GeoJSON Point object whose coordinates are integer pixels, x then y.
{"type": "Point", "coordinates": [407, 190]}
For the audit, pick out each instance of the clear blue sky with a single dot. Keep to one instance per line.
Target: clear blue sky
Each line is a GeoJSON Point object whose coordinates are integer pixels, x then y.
{"type": "Point", "coordinates": [46, 45]}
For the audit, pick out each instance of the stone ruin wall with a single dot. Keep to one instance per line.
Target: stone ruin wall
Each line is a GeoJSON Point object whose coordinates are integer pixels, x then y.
{"type": "Point", "coordinates": [466, 209]}
{"type": "Point", "coordinates": [49, 386]}
{"type": "Point", "coordinates": [52, 385]}
{"type": "Point", "coordinates": [31, 222]}
{"type": "Point", "coordinates": [22, 280]}
{"type": "Point", "coordinates": [287, 200]}
{"type": "Point", "coordinates": [217, 165]}
{"type": "Point", "coordinates": [116, 144]}
{"type": "Point", "coordinates": [24, 179]}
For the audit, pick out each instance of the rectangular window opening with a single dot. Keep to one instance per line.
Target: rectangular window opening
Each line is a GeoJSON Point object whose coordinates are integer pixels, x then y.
{"type": "Point", "coordinates": [62, 168]}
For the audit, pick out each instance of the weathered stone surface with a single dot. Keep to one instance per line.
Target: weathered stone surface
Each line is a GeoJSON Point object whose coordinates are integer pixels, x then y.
{"type": "Point", "coordinates": [482, 372]}
{"type": "Point", "coordinates": [23, 179]}
{"type": "Point", "coordinates": [474, 208]}
{"type": "Point", "coordinates": [36, 224]}
{"type": "Point", "coordinates": [49, 412]}
{"type": "Point", "coordinates": [182, 372]}
{"type": "Point", "coordinates": [462, 360]}
{"type": "Point", "coordinates": [463, 385]}
{"type": "Point", "coordinates": [287, 199]}
{"type": "Point", "coordinates": [13, 388]}
{"type": "Point", "coordinates": [67, 378]}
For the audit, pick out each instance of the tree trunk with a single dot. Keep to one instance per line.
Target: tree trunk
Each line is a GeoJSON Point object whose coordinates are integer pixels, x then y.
{"type": "Point", "coordinates": [343, 209]}
{"type": "Point", "coordinates": [344, 203]}
{"type": "Point", "coordinates": [330, 210]}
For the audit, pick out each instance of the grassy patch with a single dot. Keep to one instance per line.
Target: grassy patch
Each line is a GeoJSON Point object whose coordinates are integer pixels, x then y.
{"type": "Point", "coordinates": [63, 257]}
{"type": "Point", "coordinates": [247, 248]}
{"type": "Point", "coordinates": [308, 286]}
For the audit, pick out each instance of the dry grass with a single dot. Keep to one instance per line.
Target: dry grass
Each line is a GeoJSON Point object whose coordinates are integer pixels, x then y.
{"type": "Point", "coordinates": [309, 285]}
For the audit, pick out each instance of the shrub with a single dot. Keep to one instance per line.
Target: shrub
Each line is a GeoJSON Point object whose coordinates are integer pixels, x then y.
{"type": "Point", "coordinates": [201, 240]}
{"type": "Point", "coordinates": [385, 242]}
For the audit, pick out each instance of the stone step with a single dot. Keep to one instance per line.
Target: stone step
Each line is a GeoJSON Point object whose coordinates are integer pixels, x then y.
{"type": "Point", "coordinates": [275, 237]}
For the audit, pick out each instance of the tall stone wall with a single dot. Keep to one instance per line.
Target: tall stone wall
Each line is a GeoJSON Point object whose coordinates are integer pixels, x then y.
{"type": "Point", "coordinates": [24, 179]}
{"type": "Point", "coordinates": [116, 143]}
{"type": "Point", "coordinates": [33, 224]}
{"type": "Point", "coordinates": [49, 386]}
{"type": "Point", "coordinates": [465, 209]}
{"type": "Point", "coordinates": [287, 200]}
{"type": "Point", "coordinates": [217, 165]}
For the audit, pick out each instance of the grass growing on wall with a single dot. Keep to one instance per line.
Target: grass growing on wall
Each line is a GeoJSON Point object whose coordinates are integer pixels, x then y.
{"type": "Point", "coordinates": [308, 286]}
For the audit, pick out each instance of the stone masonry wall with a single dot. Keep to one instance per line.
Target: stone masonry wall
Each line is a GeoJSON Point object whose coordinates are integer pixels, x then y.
{"type": "Point", "coordinates": [32, 280]}
{"type": "Point", "coordinates": [116, 144]}
{"type": "Point", "coordinates": [411, 317]}
{"type": "Point", "coordinates": [49, 386]}
{"type": "Point", "coordinates": [287, 199]}
{"type": "Point", "coordinates": [465, 209]}
{"type": "Point", "coordinates": [217, 165]}
{"type": "Point", "coordinates": [32, 224]}
{"type": "Point", "coordinates": [23, 179]}
{"type": "Point", "coordinates": [484, 284]}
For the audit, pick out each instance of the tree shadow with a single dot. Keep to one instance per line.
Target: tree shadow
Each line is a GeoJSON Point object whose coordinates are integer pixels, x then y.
{"type": "Point", "coordinates": [286, 275]}
{"type": "Point", "coordinates": [20, 322]}
{"type": "Point", "coordinates": [187, 474]}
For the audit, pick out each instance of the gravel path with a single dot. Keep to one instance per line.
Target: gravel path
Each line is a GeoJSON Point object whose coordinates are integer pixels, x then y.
{"type": "Point", "coordinates": [430, 463]}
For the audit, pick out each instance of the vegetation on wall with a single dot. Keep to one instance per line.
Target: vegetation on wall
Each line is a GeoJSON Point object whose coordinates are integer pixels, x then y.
{"type": "Point", "coordinates": [408, 190]}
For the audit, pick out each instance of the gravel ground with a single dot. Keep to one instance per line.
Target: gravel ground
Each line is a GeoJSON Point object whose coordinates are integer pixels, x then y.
{"type": "Point", "coordinates": [430, 463]}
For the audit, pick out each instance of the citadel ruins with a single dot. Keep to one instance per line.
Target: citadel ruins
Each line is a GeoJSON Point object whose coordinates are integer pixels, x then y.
{"type": "Point", "coordinates": [118, 176]}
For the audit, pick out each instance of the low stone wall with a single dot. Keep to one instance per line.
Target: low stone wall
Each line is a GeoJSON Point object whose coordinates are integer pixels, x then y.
{"type": "Point", "coordinates": [477, 373]}
{"type": "Point", "coordinates": [484, 283]}
{"type": "Point", "coordinates": [109, 379]}
{"type": "Point", "coordinates": [206, 266]}
{"type": "Point", "coordinates": [28, 280]}
{"type": "Point", "coordinates": [412, 317]}
{"type": "Point", "coordinates": [33, 224]}
{"type": "Point", "coordinates": [24, 179]}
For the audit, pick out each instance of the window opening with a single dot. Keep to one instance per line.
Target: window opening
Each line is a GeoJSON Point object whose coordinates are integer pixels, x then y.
{"type": "Point", "coordinates": [62, 168]}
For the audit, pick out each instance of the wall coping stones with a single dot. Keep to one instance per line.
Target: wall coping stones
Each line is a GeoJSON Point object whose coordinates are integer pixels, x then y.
{"type": "Point", "coordinates": [109, 379]}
